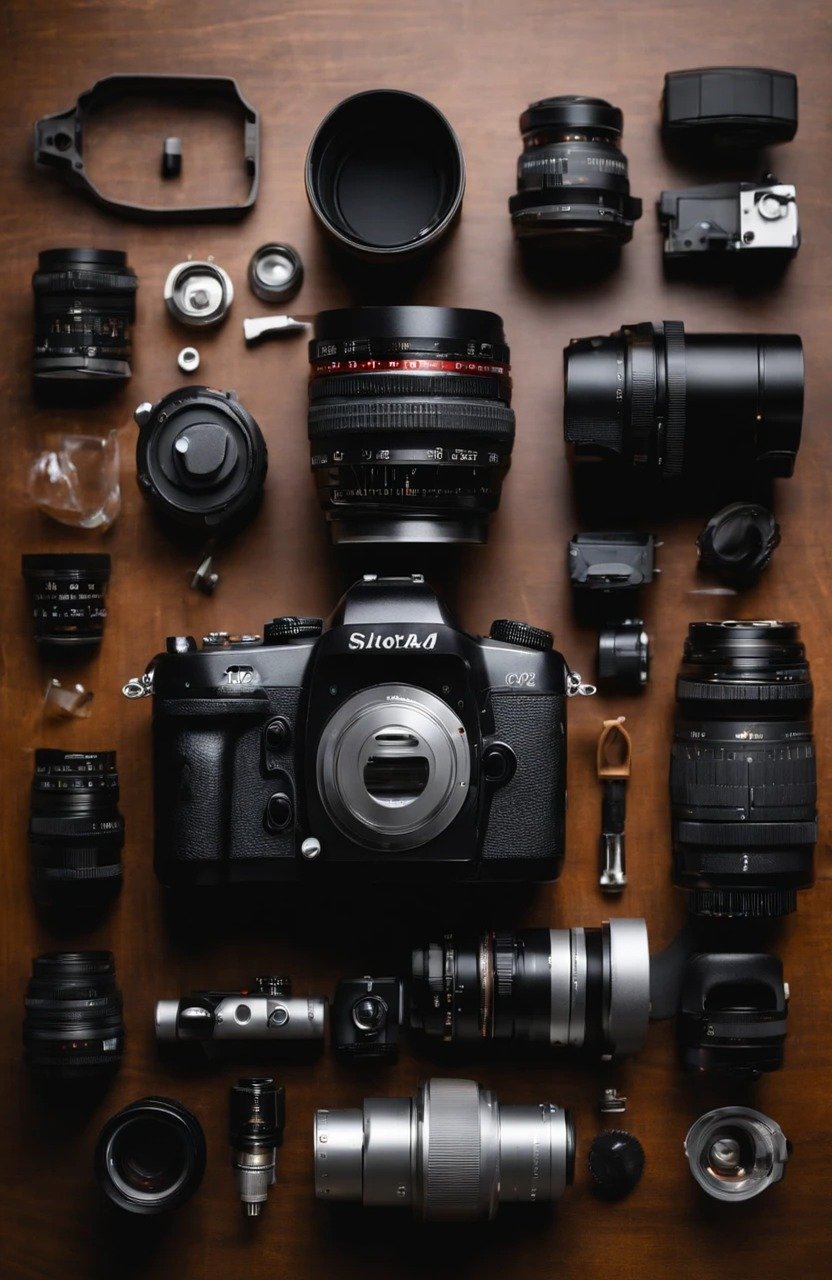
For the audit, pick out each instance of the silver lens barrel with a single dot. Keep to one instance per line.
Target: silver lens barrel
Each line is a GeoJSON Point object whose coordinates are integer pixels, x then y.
{"type": "Point", "coordinates": [452, 1152]}
{"type": "Point", "coordinates": [393, 766]}
{"type": "Point", "coordinates": [600, 987]}
{"type": "Point", "coordinates": [734, 1153]}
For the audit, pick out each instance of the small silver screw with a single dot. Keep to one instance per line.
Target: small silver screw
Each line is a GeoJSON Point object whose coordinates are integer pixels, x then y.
{"type": "Point", "coordinates": [310, 849]}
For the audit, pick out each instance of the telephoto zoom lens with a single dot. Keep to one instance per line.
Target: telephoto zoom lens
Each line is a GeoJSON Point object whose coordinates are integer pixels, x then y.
{"type": "Point", "coordinates": [410, 422]}
{"type": "Point", "coordinates": [655, 398]}
{"type": "Point", "coordinates": [573, 187]}
{"type": "Point", "coordinates": [76, 833]}
{"type": "Point", "coordinates": [73, 1026]}
{"type": "Point", "coordinates": [585, 989]}
{"type": "Point", "coordinates": [452, 1153]}
{"type": "Point", "coordinates": [150, 1157]}
{"type": "Point", "coordinates": [742, 770]}
{"type": "Point", "coordinates": [67, 593]}
{"type": "Point", "coordinates": [85, 302]}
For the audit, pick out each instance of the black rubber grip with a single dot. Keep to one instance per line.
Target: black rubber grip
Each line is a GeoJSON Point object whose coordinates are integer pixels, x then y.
{"type": "Point", "coordinates": [397, 417]}
{"type": "Point", "coordinates": [763, 691]}
{"type": "Point", "coordinates": [676, 391]}
{"type": "Point", "coordinates": [366, 386]}
{"type": "Point", "coordinates": [746, 835]}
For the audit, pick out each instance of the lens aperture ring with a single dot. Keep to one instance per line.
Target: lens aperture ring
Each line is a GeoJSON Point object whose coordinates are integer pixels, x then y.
{"type": "Point", "coordinates": [745, 835]}
{"type": "Point", "coordinates": [676, 395]}
{"type": "Point", "coordinates": [465, 417]}
{"type": "Point", "coordinates": [763, 690]}
{"type": "Point", "coordinates": [362, 386]}
{"type": "Point", "coordinates": [643, 394]}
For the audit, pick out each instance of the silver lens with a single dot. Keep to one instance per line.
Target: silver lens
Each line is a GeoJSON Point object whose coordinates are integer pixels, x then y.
{"type": "Point", "coordinates": [394, 766]}
{"type": "Point", "coordinates": [452, 1152]}
{"type": "Point", "coordinates": [734, 1153]}
{"type": "Point", "coordinates": [600, 987]}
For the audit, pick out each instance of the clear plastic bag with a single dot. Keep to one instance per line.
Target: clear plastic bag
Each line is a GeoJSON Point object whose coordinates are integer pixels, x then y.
{"type": "Point", "coordinates": [77, 483]}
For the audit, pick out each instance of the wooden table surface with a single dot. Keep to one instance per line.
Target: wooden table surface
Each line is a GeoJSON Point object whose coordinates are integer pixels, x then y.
{"type": "Point", "coordinates": [481, 63]}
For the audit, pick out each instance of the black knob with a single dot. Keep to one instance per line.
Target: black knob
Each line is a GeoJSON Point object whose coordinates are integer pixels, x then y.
{"type": "Point", "coordinates": [280, 629]}
{"type": "Point", "coordinates": [521, 633]}
{"type": "Point", "coordinates": [272, 986]}
{"type": "Point", "coordinates": [616, 1163]}
{"type": "Point", "coordinates": [279, 812]}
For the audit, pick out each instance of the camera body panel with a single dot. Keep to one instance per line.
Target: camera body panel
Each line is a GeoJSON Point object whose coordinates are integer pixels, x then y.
{"type": "Point", "coordinates": [238, 727]}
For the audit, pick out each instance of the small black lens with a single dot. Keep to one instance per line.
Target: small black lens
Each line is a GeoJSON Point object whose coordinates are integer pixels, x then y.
{"type": "Point", "coordinates": [572, 180]}
{"type": "Point", "coordinates": [73, 1025]}
{"type": "Point", "coordinates": [85, 301]}
{"type": "Point", "coordinates": [150, 1157]}
{"type": "Point", "coordinates": [201, 459]}
{"type": "Point", "coordinates": [385, 175]}
{"type": "Point", "coordinates": [732, 1013]}
{"type": "Point", "coordinates": [76, 832]}
{"type": "Point", "coordinates": [67, 593]}
{"type": "Point", "coordinates": [743, 772]}
{"type": "Point", "coordinates": [410, 423]}
{"type": "Point", "coordinates": [655, 398]}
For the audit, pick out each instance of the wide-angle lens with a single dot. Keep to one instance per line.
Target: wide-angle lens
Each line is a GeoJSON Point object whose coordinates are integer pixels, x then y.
{"type": "Point", "coordinates": [76, 832]}
{"type": "Point", "coordinates": [653, 397]}
{"type": "Point", "coordinates": [586, 989]}
{"type": "Point", "coordinates": [572, 180]}
{"type": "Point", "coordinates": [452, 1153]}
{"type": "Point", "coordinates": [85, 302]}
{"type": "Point", "coordinates": [743, 782]}
{"type": "Point", "coordinates": [150, 1157]}
{"type": "Point", "coordinates": [73, 1025]}
{"type": "Point", "coordinates": [67, 593]}
{"type": "Point", "coordinates": [410, 424]}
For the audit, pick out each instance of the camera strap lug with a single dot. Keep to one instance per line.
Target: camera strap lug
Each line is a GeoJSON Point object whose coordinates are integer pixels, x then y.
{"type": "Point", "coordinates": [575, 685]}
{"type": "Point", "coordinates": [139, 686]}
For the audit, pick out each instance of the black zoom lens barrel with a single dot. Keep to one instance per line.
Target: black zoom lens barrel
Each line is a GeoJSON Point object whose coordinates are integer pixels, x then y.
{"type": "Point", "coordinates": [743, 771]}
{"type": "Point", "coordinates": [410, 424]}
{"type": "Point", "coordinates": [651, 396]}
{"type": "Point", "coordinates": [85, 302]}
{"type": "Point", "coordinates": [73, 1025]}
{"type": "Point", "coordinates": [76, 832]}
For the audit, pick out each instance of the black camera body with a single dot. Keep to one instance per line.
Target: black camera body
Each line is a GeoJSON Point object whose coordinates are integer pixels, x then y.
{"type": "Point", "coordinates": [390, 744]}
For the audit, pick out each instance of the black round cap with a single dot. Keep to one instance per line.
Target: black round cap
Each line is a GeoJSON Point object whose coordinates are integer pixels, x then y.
{"type": "Point", "coordinates": [573, 111]}
{"type": "Point", "coordinates": [616, 1163]}
{"type": "Point", "coordinates": [521, 633]}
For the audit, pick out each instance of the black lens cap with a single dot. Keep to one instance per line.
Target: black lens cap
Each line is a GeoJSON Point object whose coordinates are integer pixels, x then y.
{"type": "Point", "coordinates": [737, 543]}
{"type": "Point", "coordinates": [732, 106]}
{"type": "Point", "coordinates": [275, 272]}
{"type": "Point", "coordinates": [573, 112]}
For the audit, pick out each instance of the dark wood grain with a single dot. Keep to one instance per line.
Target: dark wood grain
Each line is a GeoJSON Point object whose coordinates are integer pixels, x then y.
{"type": "Point", "coordinates": [481, 63]}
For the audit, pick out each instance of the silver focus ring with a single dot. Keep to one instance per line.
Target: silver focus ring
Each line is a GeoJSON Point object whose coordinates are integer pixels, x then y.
{"type": "Point", "coordinates": [451, 1146]}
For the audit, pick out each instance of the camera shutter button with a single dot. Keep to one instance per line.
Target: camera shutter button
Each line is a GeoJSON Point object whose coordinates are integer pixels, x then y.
{"type": "Point", "coordinates": [521, 633]}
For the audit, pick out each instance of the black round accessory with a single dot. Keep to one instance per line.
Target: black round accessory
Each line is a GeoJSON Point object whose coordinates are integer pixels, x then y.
{"type": "Point", "coordinates": [85, 302]}
{"type": "Point", "coordinates": [410, 424]}
{"type": "Point", "coordinates": [76, 832]}
{"type": "Point", "coordinates": [624, 655]}
{"type": "Point", "coordinates": [73, 1026]}
{"type": "Point", "coordinates": [743, 783]}
{"type": "Point", "coordinates": [572, 182]}
{"type": "Point", "coordinates": [385, 174]}
{"type": "Point", "coordinates": [275, 272]}
{"type": "Point", "coordinates": [67, 593]}
{"type": "Point", "coordinates": [657, 399]}
{"type": "Point", "coordinates": [737, 543]}
{"type": "Point", "coordinates": [616, 1163]}
{"type": "Point", "coordinates": [729, 106]}
{"type": "Point", "coordinates": [521, 633]}
{"type": "Point", "coordinates": [733, 1010]}
{"type": "Point", "coordinates": [150, 1157]}
{"type": "Point", "coordinates": [201, 459]}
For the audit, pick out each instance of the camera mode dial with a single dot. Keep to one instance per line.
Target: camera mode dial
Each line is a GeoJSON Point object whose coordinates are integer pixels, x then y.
{"type": "Point", "coordinates": [521, 633]}
{"type": "Point", "coordinates": [292, 629]}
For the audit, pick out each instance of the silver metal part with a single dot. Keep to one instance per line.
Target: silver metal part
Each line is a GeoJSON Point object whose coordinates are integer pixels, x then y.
{"type": "Point", "coordinates": [139, 686]}
{"type": "Point", "coordinates": [205, 578]}
{"type": "Point", "coordinates": [142, 413]}
{"type": "Point", "coordinates": [625, 975]}
{"type": "Point", "coordinates": [198, 293]}
{"type": "Point", "coordinates": [613, 877]}
{"type": "Point", "coordinates": [248, 1016]}
{"type": "Point", "coordinates": [452, 1152]}
{"type": "Point", "coordinates": [259, 327]}
{"type": "Point", "coordinates": [768, 217]}
{"type": "Point", "coordinates": [612, 1103]}
{"type": "Point", "coordinates": [394, 766]}
{"type": "Point", "coordinates": [75, 702]}
{"type": "Point", "coordinates": [734, 1153]}
{"type": "Point", "coordinates": [254, 1173]}
{"type": "Point", "coordinates": [188, 359]}
{"type": "Point", "coordinates": [310, 849]}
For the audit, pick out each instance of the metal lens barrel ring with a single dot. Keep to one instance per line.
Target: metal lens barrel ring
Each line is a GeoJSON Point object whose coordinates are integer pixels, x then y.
{"type": "Point", "coordinates": [76, 832]}
{"type": "Point", "coordinates": [73, 1026]}
{"type": "Point", "coordinates": [85, 302]}
{"type": "Point", "coordinates": [410, 424]}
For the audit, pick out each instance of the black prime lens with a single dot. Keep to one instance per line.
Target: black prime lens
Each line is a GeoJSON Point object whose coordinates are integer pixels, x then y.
{"type": "Point", "coordinates": [76, 832]}
{"type": "Point", "coordinates": [73, 1025]}
{"type": "Point", "coordinates": [584, 989]}
{"type": "Point", "coordinates": [653, 397]}
{"type": "Point", "coordinates": [85, 302]}
{"type": "Point", "coordinates": [385, 175]}
{"type": "Point", "coordinates": [742, 770]}
{"type": "Point", "coordinates": [410, 422]}
{"type": "Point", "coordinates": [572, 180]}
{"type": "Point", "coordinates": [67, 593]}
{"type": "Point", "coordinates": [150, 1157]}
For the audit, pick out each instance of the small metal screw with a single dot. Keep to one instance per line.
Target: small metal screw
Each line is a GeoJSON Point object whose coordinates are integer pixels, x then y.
{"type": "Point", "coordinates": [612, 1102]}
{"type": "Point", "coordinates": [748, 237]}
{"type": "Point", "coordinates": [310, 849]}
